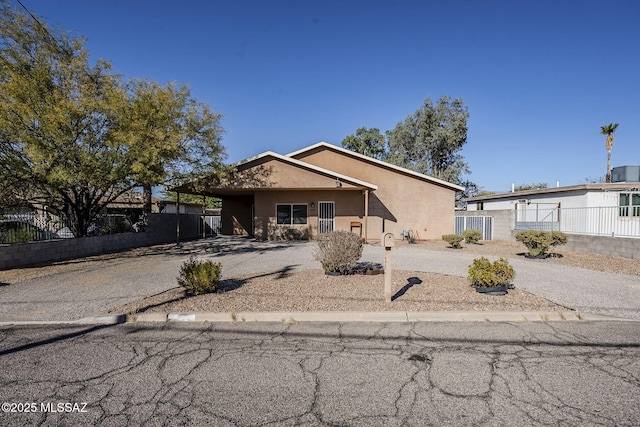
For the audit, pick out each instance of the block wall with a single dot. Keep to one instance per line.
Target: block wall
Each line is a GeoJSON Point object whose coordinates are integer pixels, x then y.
{"type": "Point", "coordinates": [161, 229]}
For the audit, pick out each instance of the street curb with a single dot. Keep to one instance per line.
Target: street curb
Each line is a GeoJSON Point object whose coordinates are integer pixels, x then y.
{"type": "Point", "coordinates": [329, 316]}
{"type": "Point", "coordinates": [109, 319]}
{"type": "Point", "coordinates": [381, 316]}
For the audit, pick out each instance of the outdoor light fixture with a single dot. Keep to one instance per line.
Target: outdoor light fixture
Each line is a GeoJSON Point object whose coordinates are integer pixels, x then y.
{"type": "Point", "coordinates": [338, 183]}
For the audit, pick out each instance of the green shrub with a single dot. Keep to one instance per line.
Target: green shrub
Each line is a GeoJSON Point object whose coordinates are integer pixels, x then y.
{"type": "Point", "coordinates": [484, 274]}
{"type": "Point", "coordinates": [338, 251]}
{"type": "Point", "coordinates": [472, 236]}
{"type": "Point", "coordinates": [453, 239]}
{"type": "Point", "coordinates": [538, 242]}
{"type": "Point", "coordinates": [199, 277]}
{"type": "Point", "coordinates": [21, 234]}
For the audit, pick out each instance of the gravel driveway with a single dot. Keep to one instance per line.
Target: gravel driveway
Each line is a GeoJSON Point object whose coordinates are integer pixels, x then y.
{"type": "Point", "coordinates": [92, 286]}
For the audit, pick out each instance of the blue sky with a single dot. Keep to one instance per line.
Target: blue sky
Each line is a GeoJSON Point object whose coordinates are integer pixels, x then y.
{"type": "Point", "coordinates": [539, 77]}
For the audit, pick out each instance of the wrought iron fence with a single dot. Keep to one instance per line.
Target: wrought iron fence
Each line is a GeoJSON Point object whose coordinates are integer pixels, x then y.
{"type": "Point", "coordinates": [21, 227]}
{"type": "Point", "coordinates": [597, 221]}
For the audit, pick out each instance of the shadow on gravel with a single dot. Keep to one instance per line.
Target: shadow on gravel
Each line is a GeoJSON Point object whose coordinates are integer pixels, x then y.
{"type": "Point", "coordinates": [545, 256]}
{"type": "Point", "coordinates": [411, 282]}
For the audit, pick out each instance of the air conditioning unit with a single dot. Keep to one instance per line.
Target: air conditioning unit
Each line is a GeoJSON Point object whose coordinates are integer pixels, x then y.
{"type": "Point", "coordinates": [625, 174]}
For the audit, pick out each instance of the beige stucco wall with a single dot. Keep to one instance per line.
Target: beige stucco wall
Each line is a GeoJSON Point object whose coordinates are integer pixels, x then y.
{"type": "Point", "coordinates": [273, 173]}
{"type": "Point", "coordinates": [401, 201]}
{"type": "Point", "coordinates": [236, 215]}
{"type": "Point", "coordinates": [349, 206]}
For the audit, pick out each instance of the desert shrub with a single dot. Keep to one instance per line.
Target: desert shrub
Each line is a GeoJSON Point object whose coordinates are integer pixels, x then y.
{"type": "Point", "coordinates": [538, 242]}
{"type": "Point", "coordinates": [558, 238]}
{"type": "Point", "coordinates": [485, 274]}
{"type": "Point", "coordinates": [200, 276]}
{"type": "Point", "coordinates": [453, 239]}
{"type": "Point", "coordinates": [472, 236]}
{"type": "Point", "coordinates": [338, 251]}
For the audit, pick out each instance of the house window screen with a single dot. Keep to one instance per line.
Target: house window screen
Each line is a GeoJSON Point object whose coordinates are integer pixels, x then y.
{"type": "Point", "coordinates": [289, 214]}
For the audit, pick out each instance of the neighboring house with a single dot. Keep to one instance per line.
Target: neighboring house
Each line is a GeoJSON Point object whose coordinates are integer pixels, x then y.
{"type": "Point", "coordinates": [322, 188]}
{"type": "Point", "coordinates": [611, 209]}
{"type": "Point", "coordinates": [169, 207]}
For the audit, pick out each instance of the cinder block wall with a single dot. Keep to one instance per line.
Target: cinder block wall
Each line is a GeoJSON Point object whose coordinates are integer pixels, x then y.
{"type": "Point", "coordinates": [161, 229]}
{"type": "Point", "coordinates": [617, 246]}
{"type": "Point", "coordinates": [625, 247]}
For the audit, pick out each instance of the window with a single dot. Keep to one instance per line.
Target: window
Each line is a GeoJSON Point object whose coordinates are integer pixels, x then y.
{"type": "Point", "coordinates": [288, 214]}
{"type": "Point", "coordinates": [629, 204]}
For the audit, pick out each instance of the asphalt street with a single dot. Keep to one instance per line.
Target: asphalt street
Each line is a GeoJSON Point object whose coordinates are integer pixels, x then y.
{"type": "Point", "coordinates": [91, 287]}
{"type": "Point", "coordinates": [348, 374]}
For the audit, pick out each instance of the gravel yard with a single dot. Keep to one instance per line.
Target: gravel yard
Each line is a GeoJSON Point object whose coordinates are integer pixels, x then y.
{"type": "Point", "coordinates": [311, 290]}
{"type": "Point", "coordinates": [283, 276]}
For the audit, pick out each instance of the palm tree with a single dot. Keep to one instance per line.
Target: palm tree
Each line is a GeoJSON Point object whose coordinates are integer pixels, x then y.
{"type": "Point", "coordinates": [609, 130]}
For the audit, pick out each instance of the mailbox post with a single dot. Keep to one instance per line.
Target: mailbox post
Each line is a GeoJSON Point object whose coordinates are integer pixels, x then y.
{"type": "Point", "coordinates": [387, 242]}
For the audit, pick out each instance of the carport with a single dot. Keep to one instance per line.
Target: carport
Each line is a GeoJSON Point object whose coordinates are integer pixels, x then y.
{"type": "Point", "coordinates": [274, 197]}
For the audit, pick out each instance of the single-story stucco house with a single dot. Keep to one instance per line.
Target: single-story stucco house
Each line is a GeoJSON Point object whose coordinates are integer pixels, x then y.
{"type": "Point", "coordinates": [322, 188]}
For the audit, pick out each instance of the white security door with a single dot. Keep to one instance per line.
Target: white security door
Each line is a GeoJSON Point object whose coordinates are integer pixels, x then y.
{"type": "Point", "coordinates": [326, 215]}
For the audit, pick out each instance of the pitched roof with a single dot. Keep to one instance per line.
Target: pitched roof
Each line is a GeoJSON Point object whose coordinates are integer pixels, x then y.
{"type": "Point", "coordinates": [376, 162]}
{"type": "Point", "coordinates": [301, 164]}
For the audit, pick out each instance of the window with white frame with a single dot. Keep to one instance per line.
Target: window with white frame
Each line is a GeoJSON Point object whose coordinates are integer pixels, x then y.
{"type": "Point", "coordinates": [291, 214]}
{"type": "Point", "coordinates": [629, 204]}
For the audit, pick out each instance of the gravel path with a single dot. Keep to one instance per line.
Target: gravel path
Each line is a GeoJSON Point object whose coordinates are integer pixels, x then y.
{"type": "Point", "coordinates": [274, 276]}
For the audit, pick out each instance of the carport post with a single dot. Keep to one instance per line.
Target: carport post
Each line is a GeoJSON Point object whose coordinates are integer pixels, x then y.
{"type": "Point", "coordinates": [366, 214]}
{"type": "Point", "coordinates": [204, 217]}
{"type": "Point", "coordinates": [177, 217]}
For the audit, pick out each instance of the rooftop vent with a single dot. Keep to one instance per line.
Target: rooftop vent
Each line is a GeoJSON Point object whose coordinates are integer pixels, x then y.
{"type": "Point", "coordinates": [625, 174]}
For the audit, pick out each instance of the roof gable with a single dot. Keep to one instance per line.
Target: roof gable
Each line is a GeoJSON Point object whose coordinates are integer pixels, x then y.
{"type": "Point", "coordinates": [379, 163]}
{"type": "Point", "coordinates": [284, 175]}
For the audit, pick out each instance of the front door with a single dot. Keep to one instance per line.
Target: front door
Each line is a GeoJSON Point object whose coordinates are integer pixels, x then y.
{"type": "Point", "coordinates": [326, 215]}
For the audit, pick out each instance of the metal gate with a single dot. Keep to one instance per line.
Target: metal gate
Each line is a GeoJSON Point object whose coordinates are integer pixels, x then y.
{"type": "Point", "coordinates": [483, 224]}
{"type": "Point", "coordinates": [326, 215]}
